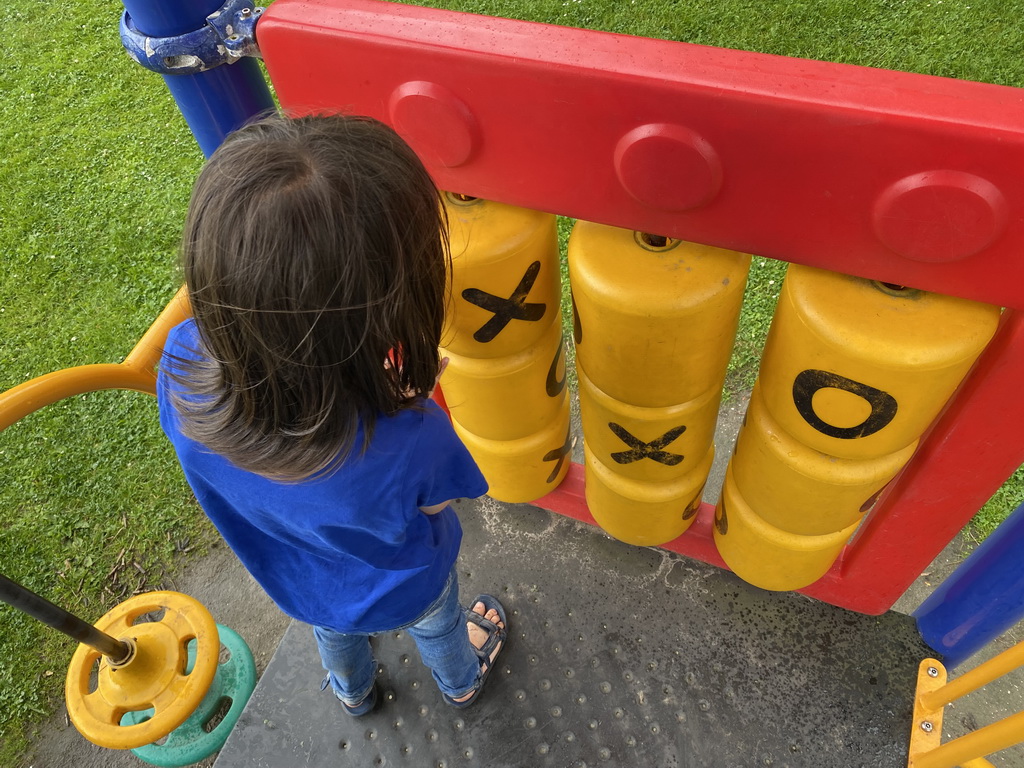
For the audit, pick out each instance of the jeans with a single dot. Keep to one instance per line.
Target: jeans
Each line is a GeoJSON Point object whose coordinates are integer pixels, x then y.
{"type": "Point", "coordinates": [440, 635]}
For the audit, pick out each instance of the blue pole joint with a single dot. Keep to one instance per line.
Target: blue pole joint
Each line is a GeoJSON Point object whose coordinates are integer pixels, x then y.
{"type": "Point", "coordinates": [187, 41]}
{"type": "Point", "coordinates": [229, 34]}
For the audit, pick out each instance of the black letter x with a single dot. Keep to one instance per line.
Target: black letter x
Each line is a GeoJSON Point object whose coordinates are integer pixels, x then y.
{"type": "Point", "coordinates": [559, 454]}
{"type": "Point", "coordinates": [641, 450]}
{"type": "Point", "coordinates": [506, 310]}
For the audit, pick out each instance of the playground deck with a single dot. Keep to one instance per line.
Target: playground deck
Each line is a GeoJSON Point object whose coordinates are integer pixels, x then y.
{"type": "Point", "coordinates": [619, 656]}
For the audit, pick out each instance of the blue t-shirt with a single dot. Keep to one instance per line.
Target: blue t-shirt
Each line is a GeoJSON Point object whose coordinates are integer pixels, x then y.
{"type": "Point", "coordinates": [350, 551]}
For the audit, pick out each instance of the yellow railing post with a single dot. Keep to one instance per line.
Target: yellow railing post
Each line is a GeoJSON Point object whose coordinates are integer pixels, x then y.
{"type": "Point", "coordinates": [136, 372]}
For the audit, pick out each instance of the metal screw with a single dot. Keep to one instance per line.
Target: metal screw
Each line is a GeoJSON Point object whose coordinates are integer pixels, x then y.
{"type": "Point", "coordinates": [926, 726]}
{"type": "Point", "coordinates": [933, 672]}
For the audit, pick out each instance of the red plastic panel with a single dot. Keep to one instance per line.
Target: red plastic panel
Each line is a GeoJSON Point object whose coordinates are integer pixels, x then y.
{"type": "Point", "coordinates": [905, 178]}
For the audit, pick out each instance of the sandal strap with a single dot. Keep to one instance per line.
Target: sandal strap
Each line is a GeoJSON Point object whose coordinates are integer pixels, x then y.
{"type": "Point", "coordinates": [495, 635]}
{"type": "Point", "coordinates": [492, 641]}
{"type": "Point", "coordinates": [482, 622]}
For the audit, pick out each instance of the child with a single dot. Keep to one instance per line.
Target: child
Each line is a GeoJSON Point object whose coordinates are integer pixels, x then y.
{"type": "Point", "coordinates": [315, 257]}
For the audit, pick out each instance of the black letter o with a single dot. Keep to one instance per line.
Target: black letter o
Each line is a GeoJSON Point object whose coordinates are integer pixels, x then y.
{"type": "Point", "coordinates": [807, 383]}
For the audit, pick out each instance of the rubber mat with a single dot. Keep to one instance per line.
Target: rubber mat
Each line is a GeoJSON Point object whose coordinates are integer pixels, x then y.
{"type": "Point", "coordinates": [618, 656]}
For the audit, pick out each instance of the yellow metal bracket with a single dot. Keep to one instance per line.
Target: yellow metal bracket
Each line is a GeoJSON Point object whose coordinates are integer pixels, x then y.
{"type": "Point", "coordinates": [934, 693]}
{"type": "Point", "coordinates": [926, 727]}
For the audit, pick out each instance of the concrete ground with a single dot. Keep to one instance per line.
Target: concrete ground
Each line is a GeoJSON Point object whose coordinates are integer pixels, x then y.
{"type": "Point", "coordinates": [235, 600]}
{"type": "Point", "coordinates": [218, 581]}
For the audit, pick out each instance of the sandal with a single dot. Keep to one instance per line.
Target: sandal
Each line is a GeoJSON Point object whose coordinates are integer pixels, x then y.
{"type": "Point", "coordinates": [364, 707]}
{"type": "Point", "coordinates": [495, 635]}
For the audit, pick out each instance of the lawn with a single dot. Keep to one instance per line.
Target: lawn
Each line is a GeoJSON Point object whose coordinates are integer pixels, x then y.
{"type": "Point", "coordinates": [95, 173]}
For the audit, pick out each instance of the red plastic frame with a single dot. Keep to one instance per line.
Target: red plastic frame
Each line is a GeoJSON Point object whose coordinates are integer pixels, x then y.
{"type": "Point", "coordinates": [898, 177]}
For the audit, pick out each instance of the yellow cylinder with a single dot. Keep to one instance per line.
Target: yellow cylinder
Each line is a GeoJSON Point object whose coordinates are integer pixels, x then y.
{"type": "Point", "coordinates": [644, 513]}
{"type": "Point", "coordinates": [798, 489]}
{"type": "Point", "coordinates": [655, 444]}
{"type": "Point", "coordinates": [505, 381]}
{"type": "Point", "coordinates": [766, 556]}
{"type": "Point", "coordinates": [505, 282]}
{"type": "Point", "coordinates": [654, 323]}
{"type": "Point", "coordinates": [859, 369]}
{"type": "Point", "coordinates": [852, 374]}
{"type": "Point", "coordinates": [525, 469]}
{"type": "Point", "coordinates": [508, 397]}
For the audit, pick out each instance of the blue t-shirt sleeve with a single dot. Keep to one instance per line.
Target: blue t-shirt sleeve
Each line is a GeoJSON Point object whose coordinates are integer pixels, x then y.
{"type": "Point", "coordinates": [181, 344]}
{"type": "Point", "coordinates": [440, 467]}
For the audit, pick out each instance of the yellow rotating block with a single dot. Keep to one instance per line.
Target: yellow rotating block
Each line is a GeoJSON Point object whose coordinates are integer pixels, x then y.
{"type": "Point", "coordinates": [643, 513]}
{"type": "Point", "coordinates": [525, 469]}
{"type": "Point", "coordinates": [650, 444]}
{"type": "Point", "coordinates": [799, 489]}
{"type": "Point", "coordinates": [655, 324]}
{"type": "Point", "coordinates": [505, 281]}
{"type": "Point", "coordinates": [766, 556]}
{"type": "Point", "coordinates": [153, 676]}
{"type": "Point", "coordinates": [508, 397]}
{"type": "Point", "coordinates": [858, 369]}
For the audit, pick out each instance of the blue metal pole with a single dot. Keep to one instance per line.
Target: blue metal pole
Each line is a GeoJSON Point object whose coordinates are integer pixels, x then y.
{"type": "Point", "coordinates": [216, 101]}
{"type": "Point", "coordinates": [982, 598]}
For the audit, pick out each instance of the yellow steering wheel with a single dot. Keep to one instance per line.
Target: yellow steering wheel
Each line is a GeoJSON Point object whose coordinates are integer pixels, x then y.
{"type": "Point", "coordinates": [154, 674]}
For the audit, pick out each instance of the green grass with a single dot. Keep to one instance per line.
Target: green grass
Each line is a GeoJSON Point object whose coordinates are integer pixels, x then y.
{"type": "Point", "coordinates": [95, 169]}
{"type": "Point", "coordinates": [974, 40]}
{"type": "Point", "coordinates": [1002, 503]}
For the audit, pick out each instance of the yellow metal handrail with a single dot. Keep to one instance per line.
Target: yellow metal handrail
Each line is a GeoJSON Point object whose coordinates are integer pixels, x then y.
{"type": "Point", "coordinates": [137, 372]}
{"type": "Point", "coordinates": [934, 693]}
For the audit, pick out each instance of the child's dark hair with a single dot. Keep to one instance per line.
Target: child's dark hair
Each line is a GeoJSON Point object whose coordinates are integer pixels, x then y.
{"type": "Point", "coordinates": [314, 250]}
